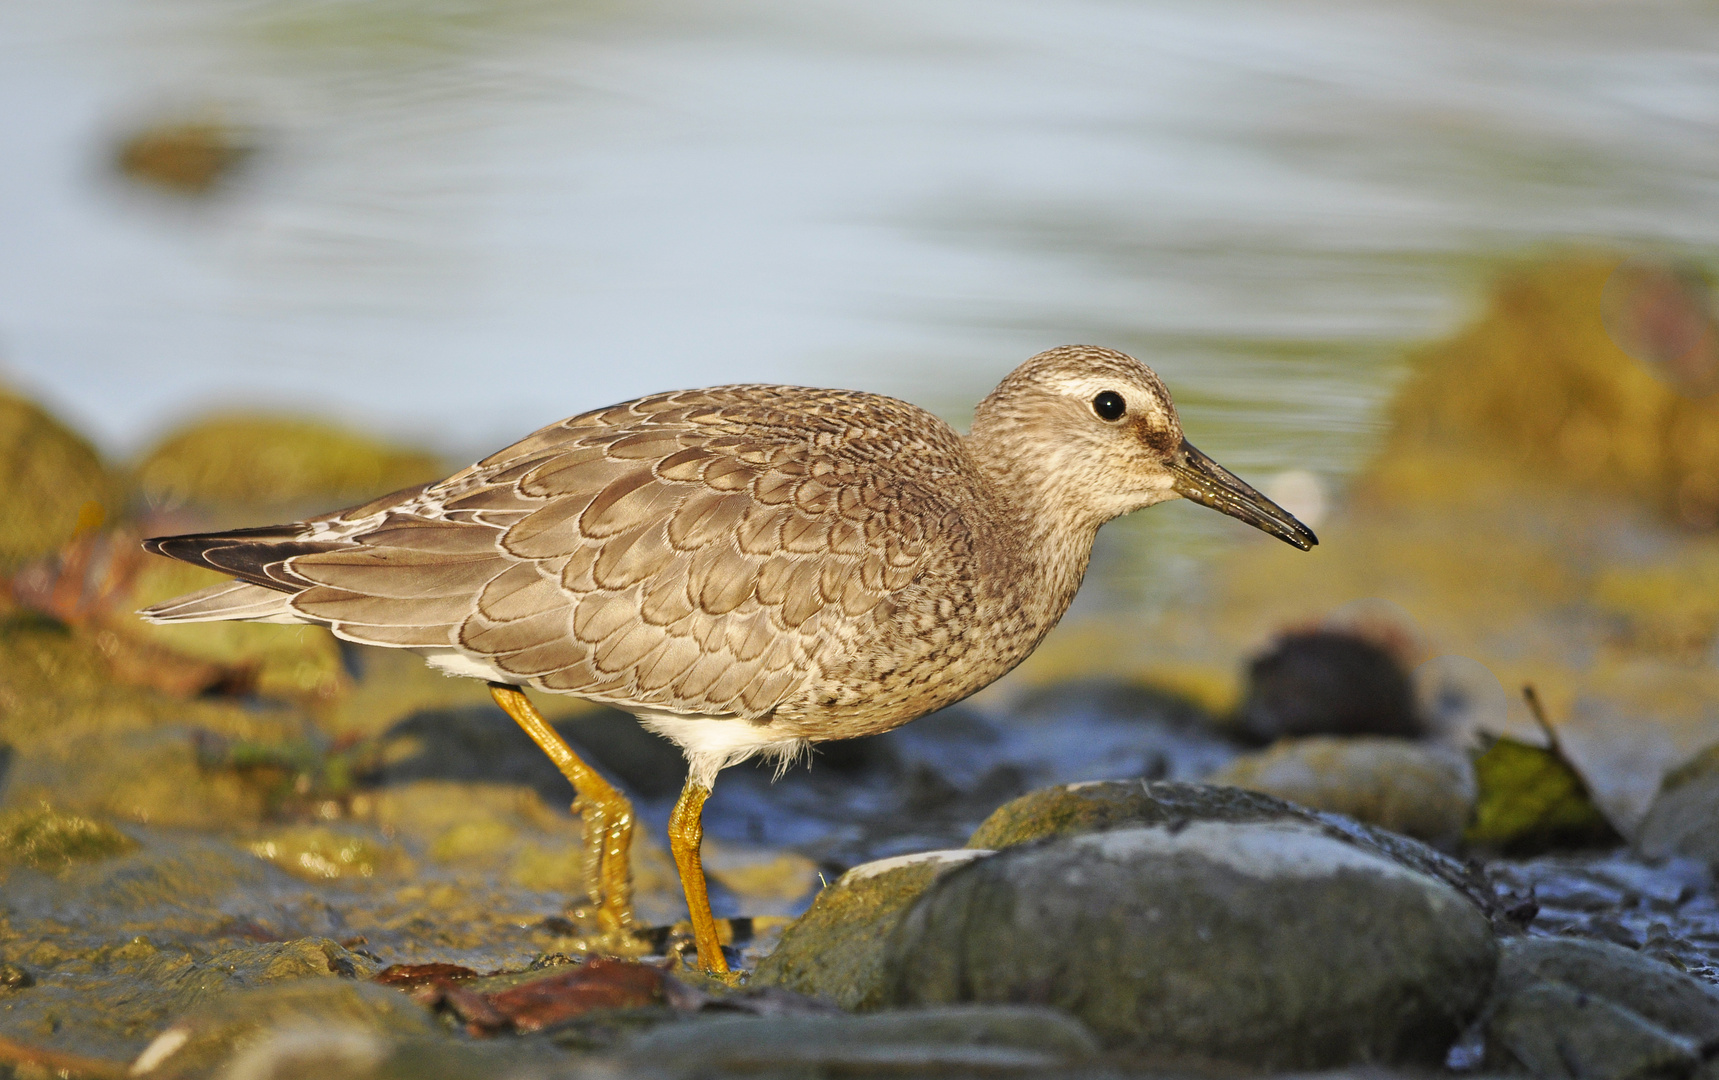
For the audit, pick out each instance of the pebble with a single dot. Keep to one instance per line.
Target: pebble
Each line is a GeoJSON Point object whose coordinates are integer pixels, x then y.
{"type": "Point", "coordinates": [1328, 682]}
{"type": "Point", "coordinates": [1421, 790]}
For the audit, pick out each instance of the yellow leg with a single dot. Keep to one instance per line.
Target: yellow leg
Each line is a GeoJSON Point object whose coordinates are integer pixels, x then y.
{"type": "Point", "coordinates": [686, 835]}
{"type": "Point", "coordinates": [605, 812]}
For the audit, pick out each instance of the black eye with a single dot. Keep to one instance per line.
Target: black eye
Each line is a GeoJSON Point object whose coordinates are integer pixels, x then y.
{"type": "Point", "coordinates": [1109, 405]}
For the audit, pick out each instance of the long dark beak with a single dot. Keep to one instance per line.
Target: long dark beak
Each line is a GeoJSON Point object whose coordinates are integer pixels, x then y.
{"type": "Point", "coordinates": [1206, 482]}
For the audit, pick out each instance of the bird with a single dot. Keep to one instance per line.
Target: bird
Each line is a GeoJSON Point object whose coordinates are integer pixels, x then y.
{"type": "Point", "coordinates": [750, 570]}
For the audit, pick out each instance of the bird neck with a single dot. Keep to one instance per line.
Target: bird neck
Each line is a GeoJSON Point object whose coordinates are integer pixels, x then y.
{"type": "Point", "coordinates": [1048, 529]}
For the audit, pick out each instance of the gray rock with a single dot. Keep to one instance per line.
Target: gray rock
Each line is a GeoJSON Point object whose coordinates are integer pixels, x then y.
{"type": "Point", "coordinates": [1113, 804]}
{"type": "Point", "coordinates": [835, 950]}
{"type": "Point", "coordinates": [218, 1032]}
{"type": "Point", "coordinates": [1268, 945]}
{"type": "Point", "coordinates": [1680, 819]}
{"type": "Point", "coordinates": [1659, 993]}
{"type": "Point", "coordinates": [1418, 789]}
{"type": "Point", "coordinates": [1558, 1032]}
{"type": "Point", "coordinates": [960, 1037]}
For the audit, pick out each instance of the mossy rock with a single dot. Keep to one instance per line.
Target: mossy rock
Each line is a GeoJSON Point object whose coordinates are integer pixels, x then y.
{"type": "Point", "coordinates": [1538, 385]}
{"type": "Point", "coordinates": [261, 460]}
{"type": "Point", "coordinates": [835, 950]}
{"type": "Point", "coordinates": [48, 839]}
{"type": "Point", "coordinates": [52, 482]}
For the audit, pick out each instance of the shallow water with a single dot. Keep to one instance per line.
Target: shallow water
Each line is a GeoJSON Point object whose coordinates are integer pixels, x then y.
{"type": "Point", "coordinates": [465, 220]}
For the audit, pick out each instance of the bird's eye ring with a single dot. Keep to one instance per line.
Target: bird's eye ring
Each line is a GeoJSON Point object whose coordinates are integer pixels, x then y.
{"type": "Point", "coordinates": [1109, 405]}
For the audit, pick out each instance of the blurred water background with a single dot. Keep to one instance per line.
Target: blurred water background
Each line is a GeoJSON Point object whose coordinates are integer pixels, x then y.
{"type": "Point", "coordinates": [465, 219]}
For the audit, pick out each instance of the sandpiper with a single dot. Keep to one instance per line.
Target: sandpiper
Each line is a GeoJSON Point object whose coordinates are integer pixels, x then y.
{"type": "Point", "coordinates": [749, 570]}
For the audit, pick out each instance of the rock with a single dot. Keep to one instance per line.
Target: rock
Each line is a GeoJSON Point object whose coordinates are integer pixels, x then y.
{"type": "Point", "coordinates": [226, 1026]}
{"type": "Point", "coordinates": [1680, 819]}
{"type": "Point", "coordinates": [1557, 1032]}
{"type": "Point", "coordinates": [189, 157]}
{"type": "Point", "coordinates": [835, 950]}
{"type": "Point", "coordinates": [950, 1038]}
{"type": "Point", "coordinates": [275, 461]}
{"type": "Point", "coordinates": [1328, 682]}
{"type": "Point", "coordinates": [52, 483]}
{"type": "Point", "coordinates": [47, 839]}
{"type": "Point", "coordinates": [1214, 941]}
{"type": "Point", "coordinates": [1114, 804]}
{"type": "Point", "coordinates": [249, 966]}
{"type": "Point", "coordinates": [1418, 789]}
{"type": "Point", "coordinates": [1680, 1004]}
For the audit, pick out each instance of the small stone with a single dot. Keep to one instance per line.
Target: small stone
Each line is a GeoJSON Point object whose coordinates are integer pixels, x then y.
{"type": "Point", "coordinates": [1558, 1032]}
{"type": "Point", "coordinates": [1421, 790]}
{"type": "Point", "coordinates": [950, 1038]}
{"type": "Point", "coordinates": [1679, 1003]}
{"type": "Point", "coordinates": [1328, 682]}
{"type": "Point", "coordinates": [834, 950]}
{"type": "Point", "coordinates": [1215, 941]}
{"type": "Point", "coordinates": [49, 839]}
{"type": "Point", "coordinates": [13, 977]}
{"type": "Point", "coordinates": [1680, 819]}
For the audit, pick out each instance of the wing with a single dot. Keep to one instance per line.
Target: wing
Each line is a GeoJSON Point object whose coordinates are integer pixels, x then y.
{"type": "Point", "coordinates": [691, 552]}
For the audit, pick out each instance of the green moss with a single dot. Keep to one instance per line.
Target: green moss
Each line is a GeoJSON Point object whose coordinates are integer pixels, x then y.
{"type": "Point", "coordinates": [49, 839]}
{"type": "Point", "coordinates": [52, 482]}
{"type": "Point", "coordinates": [274, 461]}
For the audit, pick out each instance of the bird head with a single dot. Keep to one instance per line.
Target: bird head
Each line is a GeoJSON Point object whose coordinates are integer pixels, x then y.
{"type": "Point", "coordinates": [1094, 433]}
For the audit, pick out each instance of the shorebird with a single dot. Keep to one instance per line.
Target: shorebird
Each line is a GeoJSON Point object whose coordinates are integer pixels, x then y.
{"type": "Point", "coordinates": [749, 570]}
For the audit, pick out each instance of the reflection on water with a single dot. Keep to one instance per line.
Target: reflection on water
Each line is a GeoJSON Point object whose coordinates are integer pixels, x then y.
{"type": "Point", "coordinates": [465, 219]}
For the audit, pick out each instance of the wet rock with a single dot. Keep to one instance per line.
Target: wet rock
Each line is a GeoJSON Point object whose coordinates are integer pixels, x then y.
{"type": "Point", "coordinates": [1658, 993]}
{"type": "Point", "coordinates": [1557, 1032]}
{"type": "Point", "coordinates": [52, 483]}
{"type": "Point", "coordinates": [275, 461]}
{"type": "Point", "coordinates": [835, 950]}
{"type": "Point", "coordinates": [224, 1027]}
{"type": "Point", "coordinates": [1114, 804]}
{"type": "Point", "coordinates": [322, 853]}
{"type": "Point", "coordinates": [1418, 789]}
{"type": "Point", "coordinates": [950, 1038]}
{"type": "Point", "coordinates": [1214, 941]}
{"type": "Point", "coordinates": [1328, 682]}
{"type": "Point", "coordinates": [15, 977]}
{"type": "Point", "coordinates": [1680, 819]}
{"type": "Point", "coordinates": [250, 966]}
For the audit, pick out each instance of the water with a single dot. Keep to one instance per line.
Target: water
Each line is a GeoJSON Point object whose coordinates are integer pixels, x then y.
{"type": "Point", "coordinates": [468, 219]}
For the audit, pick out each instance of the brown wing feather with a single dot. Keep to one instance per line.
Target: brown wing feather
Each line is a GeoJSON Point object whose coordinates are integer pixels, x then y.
{"type": "Point", "coordinates": [698, 552]}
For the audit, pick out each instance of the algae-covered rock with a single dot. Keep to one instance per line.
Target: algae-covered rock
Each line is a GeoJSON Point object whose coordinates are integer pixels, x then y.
{"type": "Point", "coordinates": [1680, 821]}
{"type": "Point", "coordinates": [1270, 945]}
{"type": "Point", "coordinates": [275, 461]}
{"type": "Point", "coordinates": [1539, 383]}
{"type": "Point", "coordinates": [52, 482]}
{"type": "Point", "coordinates": [227, 1025]}
{"type": "Point", "coordinates": [249, 966]}
{"type": "Point", "coordinates": [322, 853]}
{"type": "Point", "coordinates": [1413, 788]}
{"type": "Point", "coordinates": [834, 950]}
{"type": "Point", "coordinates": [48, 839]}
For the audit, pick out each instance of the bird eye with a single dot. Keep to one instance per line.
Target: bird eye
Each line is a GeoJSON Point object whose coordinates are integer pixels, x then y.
{"type": "Point", "coordinates": [1109, 405]}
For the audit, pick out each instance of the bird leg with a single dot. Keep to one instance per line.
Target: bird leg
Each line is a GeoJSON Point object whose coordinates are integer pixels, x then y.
{"type": "Point", "coordinates": [606, 814]}
{"type": "Point", "coordinates": [686, 835]}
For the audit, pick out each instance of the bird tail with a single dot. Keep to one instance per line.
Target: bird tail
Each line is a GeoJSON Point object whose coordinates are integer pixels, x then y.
{"type": "Point", "coordinates": [225, 601]}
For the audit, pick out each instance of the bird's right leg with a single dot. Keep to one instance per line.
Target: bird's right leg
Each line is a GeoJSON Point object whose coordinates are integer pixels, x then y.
{"type": "Point", "coordinates": [604, 811]}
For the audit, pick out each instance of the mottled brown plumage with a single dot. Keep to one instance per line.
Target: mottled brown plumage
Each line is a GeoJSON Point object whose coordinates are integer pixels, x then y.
{"type": "Point", "coordinates": [749, 569]}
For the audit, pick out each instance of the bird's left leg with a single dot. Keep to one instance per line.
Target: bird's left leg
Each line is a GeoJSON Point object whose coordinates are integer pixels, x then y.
{"type": "Point", "coordinates": [606, 814]}
{"type": "Point", "coordinates": [686, 836]}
